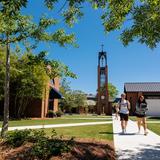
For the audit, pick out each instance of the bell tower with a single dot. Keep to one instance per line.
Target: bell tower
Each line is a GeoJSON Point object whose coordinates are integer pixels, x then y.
{"type": "Point", "coordinates": [102, 91]}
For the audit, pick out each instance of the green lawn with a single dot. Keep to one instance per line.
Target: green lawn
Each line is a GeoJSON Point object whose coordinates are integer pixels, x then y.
{"type": "Point", "coordinates": [86, 116]}
{"type": "Point", "coordinates": [155, 127]}
{"type": "Point", "coordinates": [62, 120]}
{"type": "Point", "coordinates": [95, 132]}
{"type": "Point", "coordinates": [134, 118]}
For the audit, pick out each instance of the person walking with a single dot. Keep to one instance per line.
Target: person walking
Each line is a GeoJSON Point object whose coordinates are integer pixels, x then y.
{"type": "Point", "coordinates": [116, 111]}
{"type": "Point", "coordinates": [140, 112]}
{"type": "Point", "coordinates": [124, 107]}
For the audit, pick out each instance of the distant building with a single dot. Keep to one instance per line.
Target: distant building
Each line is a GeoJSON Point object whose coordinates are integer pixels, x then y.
{"type": "Point", "coordinates": [39, 107]}
{"type": "Point", "coordinates": [150, 90]}
{"type": "Point", "coordinates": [91, 102]}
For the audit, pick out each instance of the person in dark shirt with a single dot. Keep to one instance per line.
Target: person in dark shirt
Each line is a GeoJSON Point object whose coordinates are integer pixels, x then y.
{"type": "Point", "coordinates": [141, 109]}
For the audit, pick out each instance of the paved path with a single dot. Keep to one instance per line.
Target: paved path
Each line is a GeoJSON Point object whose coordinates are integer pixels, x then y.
{"type": "Point", "coordinates": [133, 146]}
{"type": "Point", "coordinates": [57, 125]}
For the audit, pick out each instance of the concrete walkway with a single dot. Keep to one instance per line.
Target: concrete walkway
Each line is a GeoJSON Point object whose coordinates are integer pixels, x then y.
{"type": "Point", "coordinates": [134, 146]}
{"type": "Point", "coordinates": [57, 125]}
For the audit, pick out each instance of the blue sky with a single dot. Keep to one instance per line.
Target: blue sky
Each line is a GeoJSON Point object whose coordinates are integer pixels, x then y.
{"type": "Point", "coordinates": [135, 63]}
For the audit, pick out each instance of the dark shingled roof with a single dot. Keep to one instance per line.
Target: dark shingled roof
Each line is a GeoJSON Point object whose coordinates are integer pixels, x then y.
{"type": "Point", "coordinates": [142, 87]}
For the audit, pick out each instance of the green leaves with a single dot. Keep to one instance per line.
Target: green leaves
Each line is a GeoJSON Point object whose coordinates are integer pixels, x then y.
{"type": "Point", "coordinates": [12, 7]}
{"type": "Point", "coordinates": [72, 98]}
{"type": "Point", "coordinates": [115, 14]}
{"type": "Point", "coordinates": [113, 92]}
{"type": "Point", "coordinates": [71, 15]}
{"type": "Point", "coordinates": [146, 24]}
{"type": "Point", "coordinates": [50, 3]}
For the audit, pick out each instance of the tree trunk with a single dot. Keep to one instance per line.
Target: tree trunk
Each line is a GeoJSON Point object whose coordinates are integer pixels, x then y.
{"type": "Point", "coordinates": [6, 93]}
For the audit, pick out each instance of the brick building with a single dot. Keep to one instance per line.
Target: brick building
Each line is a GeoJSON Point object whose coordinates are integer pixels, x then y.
{"type": "Point", "coordinates": [39, 107]}
{"type": "Point", "coordinates": [150, 90]}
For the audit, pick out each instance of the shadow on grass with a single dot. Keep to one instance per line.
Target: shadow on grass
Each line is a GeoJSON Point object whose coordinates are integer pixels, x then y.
{"type": "Point", "coordinates": [157, 118]}
{"type": "Point", "coordinates": [106, 133]}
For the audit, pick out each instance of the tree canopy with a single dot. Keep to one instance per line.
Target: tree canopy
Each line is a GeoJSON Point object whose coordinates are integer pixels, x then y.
{"type": "Point", "coordinates": [143, 17]}
{"type": "Point", "coordinates": [72, 98]}
{"type": "Point", "coordinates": [29, 76]}
{"type": "Point", "coordinates": [112, 90]}
{"type": "Point", "coordinates": [15, 27]}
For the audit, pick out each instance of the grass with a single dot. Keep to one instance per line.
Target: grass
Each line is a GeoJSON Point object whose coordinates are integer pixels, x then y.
{"type": "Point", "coordinates": [154, 127]}
{"type": "Point", "coordinates": [94, 132]}
{"type": "Point", "coordinates": [134, 118]}
{"type": "Point", "coordinates": [86, 116]}
{"type": "Point", "coordinates": [62, 120]}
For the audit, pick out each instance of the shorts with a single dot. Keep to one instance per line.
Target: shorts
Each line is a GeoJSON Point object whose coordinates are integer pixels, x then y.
{"type": "Point", "coordinates": [123, 117]}
{"type": "Point", "coordinates": [140, 115]}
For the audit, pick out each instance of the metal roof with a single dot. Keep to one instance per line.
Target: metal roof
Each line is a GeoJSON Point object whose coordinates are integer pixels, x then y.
{"type": "Point", "coordinates": [142, 87]}
{"type": "Point", "coordinates": [54, 93]}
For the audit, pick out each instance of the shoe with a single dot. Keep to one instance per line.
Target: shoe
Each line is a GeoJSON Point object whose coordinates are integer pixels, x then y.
{"type": "Point", "coordinates": [123, 131]}
{"type": "Point", "coordinates": [146, 133]}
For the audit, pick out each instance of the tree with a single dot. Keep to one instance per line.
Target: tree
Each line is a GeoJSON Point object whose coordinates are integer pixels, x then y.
{"type": "Point", "coordinates": [145, 24]}
{"type": "Point", "coordinates": [113, 92]}
{"type": "Point", "coordinates": [29, 76]}
{"type": "Point", "coordinates": [142, 18]}
{"type": "Point", "coordinates": [72, 98]}
{"type": "Point", "coordinates": [16, 27]}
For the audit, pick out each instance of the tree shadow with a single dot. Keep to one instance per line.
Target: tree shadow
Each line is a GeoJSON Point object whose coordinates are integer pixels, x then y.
{"type": "Point", "coordinates": [156, 118]}
{"type": "Point", "coordinates": [127, 134]}
{"type": "Point", "coordinates": [148, 152]}
{"type": "Point", "coordinates": [119, 133]}
{"type": "Point", "coordinates": [106, 133]}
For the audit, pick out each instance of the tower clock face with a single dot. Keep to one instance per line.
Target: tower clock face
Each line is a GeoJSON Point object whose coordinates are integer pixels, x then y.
{"type": "Point", "coordinates": [102, 97]}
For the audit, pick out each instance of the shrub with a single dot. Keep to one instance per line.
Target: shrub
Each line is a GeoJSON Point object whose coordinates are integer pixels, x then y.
{"type": "Point", "coordinates": [45, 148]}
{"type": "Point", "coordinates": [51, 114]}
{"type": "Point", "coordinates": [18, 137]}
{"type": "Point", "coordinates": [36, 135]}
{"type": "Point", "coordinates": [59, 113]}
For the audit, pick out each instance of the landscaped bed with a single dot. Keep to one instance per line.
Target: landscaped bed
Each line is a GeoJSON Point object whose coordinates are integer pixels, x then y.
{"type": "Point", "coordinates": [90, 142]}
{"type": "Point", "coordinates": [83, 149]}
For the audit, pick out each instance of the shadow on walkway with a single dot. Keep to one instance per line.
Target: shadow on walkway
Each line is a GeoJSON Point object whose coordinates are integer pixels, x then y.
{"type": "Point", "coordinates": [148, 152]}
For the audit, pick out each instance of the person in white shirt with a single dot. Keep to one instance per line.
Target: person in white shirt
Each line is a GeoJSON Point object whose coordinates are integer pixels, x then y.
{"type": "Point", "coordinates": [124, 107]}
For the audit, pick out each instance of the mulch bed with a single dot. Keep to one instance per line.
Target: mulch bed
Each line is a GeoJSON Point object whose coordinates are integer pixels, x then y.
{"type": "Point", "coordinates": [84, 149]}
